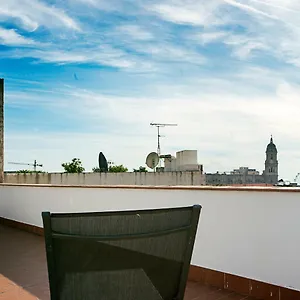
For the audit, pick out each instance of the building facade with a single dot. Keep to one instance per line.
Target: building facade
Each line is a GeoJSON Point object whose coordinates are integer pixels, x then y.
{"type": "Point", "coordinates": [185, 161]}
{"type": "Point", "coordinates": [271, 164]}
{"type": "Point", "coordinates": [245, 175]}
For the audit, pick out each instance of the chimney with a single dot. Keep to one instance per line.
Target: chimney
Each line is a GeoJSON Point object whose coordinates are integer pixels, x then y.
{"type": "Point", "coordinates": [1, 130]}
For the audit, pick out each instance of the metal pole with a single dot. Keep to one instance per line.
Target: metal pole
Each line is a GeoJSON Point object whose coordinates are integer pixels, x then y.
{"type": "Point", "coordinates": [158, 141]}
{"type": "Point", "coordinates": [158, 125]}
{"type": "Point", "coordinates": [1, 130]}
{"type": "Point", "coordinates": [158, 146]}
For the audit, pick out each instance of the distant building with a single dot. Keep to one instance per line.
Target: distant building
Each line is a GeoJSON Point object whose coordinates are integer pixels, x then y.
{"type": "Point", "coordinates": [247, 176]}
{"type": "Point", "coordinates": [244, 170]}
{"type": "Point", "coordinates": [271, 164]}
{"type": "Point", "coordinates": [185, 161]}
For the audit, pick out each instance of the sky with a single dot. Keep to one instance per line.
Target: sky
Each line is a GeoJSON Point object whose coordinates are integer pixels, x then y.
{"type": "Point", "coordinates": [84, 76]}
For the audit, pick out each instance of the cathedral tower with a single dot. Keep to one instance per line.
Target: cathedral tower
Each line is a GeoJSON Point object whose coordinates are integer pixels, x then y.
{"type": "Point", "coordinates": [271, 164]}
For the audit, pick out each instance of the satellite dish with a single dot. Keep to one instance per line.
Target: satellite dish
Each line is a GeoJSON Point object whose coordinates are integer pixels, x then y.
{"type": "Point", "coordinates": [152, 160]}
{"type": "Point", "coordinates": [103, 166]}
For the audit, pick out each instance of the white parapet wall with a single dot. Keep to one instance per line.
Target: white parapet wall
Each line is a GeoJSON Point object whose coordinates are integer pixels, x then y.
{"type": "Point", "coordinates": [247, 232]}
{"type": "Point", "coordinates": [148, 178]}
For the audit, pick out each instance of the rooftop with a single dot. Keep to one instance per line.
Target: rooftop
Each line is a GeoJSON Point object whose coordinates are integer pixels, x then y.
{"type": "Point", "coordinates": [247, 242]}
{"type": "Point", "coordinates": [23, 271]}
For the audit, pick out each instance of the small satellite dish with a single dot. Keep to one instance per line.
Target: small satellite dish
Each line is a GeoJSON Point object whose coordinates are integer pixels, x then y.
{"type": "Point", "coordinates": [103, 166]}
{"type": "Point", "coordinates": [152, 160]}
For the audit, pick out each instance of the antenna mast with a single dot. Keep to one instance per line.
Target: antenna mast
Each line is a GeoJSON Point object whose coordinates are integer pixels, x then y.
{"type": "Point", "coordinates": [158, 125]}
{"type": "Point", "coordinates": [35, 164]}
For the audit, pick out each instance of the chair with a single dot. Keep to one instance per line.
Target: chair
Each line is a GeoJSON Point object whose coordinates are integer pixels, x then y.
{"type": "Point", "coordinates": [122, 255]}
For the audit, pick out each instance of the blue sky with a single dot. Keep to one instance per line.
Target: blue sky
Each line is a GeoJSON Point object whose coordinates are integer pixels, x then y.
{"type": "Point", "coordinates": [84, 76]}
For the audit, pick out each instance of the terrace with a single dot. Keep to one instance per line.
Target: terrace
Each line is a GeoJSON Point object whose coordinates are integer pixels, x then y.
{"type": "Point", "coordinates": [246, 246]}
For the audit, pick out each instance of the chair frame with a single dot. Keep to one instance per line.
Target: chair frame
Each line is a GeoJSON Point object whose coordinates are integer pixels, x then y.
{"type": "Point", "coordinates": [49, 235]}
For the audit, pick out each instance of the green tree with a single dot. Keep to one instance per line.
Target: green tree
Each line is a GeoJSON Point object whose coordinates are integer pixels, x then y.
{"type": "Point", "coordinates": [96, 170]}
{"type": "Point", "coordinates": [75, 166]}
{"type": "Point", "coordinates": [117, 169]}
{"type": "Point", "coordinates": [140, 169]}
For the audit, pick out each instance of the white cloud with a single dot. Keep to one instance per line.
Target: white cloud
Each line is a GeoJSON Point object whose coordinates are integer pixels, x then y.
{"type": "Point", "coordinates": [243, 45]}
{"type": "Point", "coordinates": [249, 8]}
{"type": "Point", "coordinates": [290, 6]}
{"type": "Point", "coordinates": [100, 4]}
{"type": "Point", "coordinates": [155, 54]}
{"type": "Point", "coordinates": [272, 27]}
{"type": "Point", "coordinates": [168, 52]}
{"type": "Point", "coordinates": [186, 12]}
{"type": "Point", "coordinates": [34, 13]}
{"type": "Point", "coordinates": [102, 55]}
{"type": "Point", "coordinates": [210, 37]}
{"type": "Point", "coordinates": [10, 37]}
{"type": "Point", "coordinates": [136, 32]}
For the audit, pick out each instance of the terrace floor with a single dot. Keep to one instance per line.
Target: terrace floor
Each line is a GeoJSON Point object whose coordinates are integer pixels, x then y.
{"type": "Point", "coordinates": [23, 271]}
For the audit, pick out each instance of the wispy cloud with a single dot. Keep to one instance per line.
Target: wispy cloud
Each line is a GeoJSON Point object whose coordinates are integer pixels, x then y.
{"type": "Point", "coordinates": [102, 55]}
{"type": "Point", "coordinates": [209, 37]}
{"type": "Point", "coordinates": [186, 12]}
{"type": "Point", "coordinates": [34, 13]}
{"type": "Point", "coordinates": [290, 6]}
{"type": "Point", "coordinates": [249, 8]}
{"type": "Point", "coordinates": [243, 46]}
{"type": "Point", "coordinates": [136, 32]}
{"type": "Point", "coordinates": [100, 4]}
{"type": "Point", "coordinates": [166, 52]}
{"type": "Point", "coordinates": [10, 37]}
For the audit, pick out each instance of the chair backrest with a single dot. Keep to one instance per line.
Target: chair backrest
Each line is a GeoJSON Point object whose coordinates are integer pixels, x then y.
{"type": "Point", "coordinates": [123, 255]}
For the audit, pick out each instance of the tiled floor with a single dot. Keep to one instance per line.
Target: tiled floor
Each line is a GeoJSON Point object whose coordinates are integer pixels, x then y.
{"type": "Point", "coordinates": [23, 271]}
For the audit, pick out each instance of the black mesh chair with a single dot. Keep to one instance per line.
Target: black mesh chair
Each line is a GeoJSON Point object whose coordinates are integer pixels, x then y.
{"type": "Point", "coordinates": [126, 255]}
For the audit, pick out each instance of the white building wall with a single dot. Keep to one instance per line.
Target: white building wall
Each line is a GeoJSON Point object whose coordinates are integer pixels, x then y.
{"type": "Point", "coordinates": [187, 160]}
{"type": "Point", "coordinates": [254, 234]}
{"type": "Point", "coordinates": [178, 158]}
{"type": "Point", "coordinates": [170, 164]}
{"type": "Point", "coordinates": [189, 157]}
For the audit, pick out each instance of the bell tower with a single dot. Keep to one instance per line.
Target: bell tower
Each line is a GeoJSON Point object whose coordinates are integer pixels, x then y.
{"type": "Point", "coordinates": [271, 163]}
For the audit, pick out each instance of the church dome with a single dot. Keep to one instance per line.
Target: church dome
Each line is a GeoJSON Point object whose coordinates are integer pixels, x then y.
{"type": "Point", "coordinates": [271, 146]}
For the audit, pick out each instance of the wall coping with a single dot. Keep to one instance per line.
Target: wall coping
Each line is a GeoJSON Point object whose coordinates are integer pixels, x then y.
{"type": "Point", "coordinates": [162, 187]}
{"type": "Point", "coordinates": [101, 173]}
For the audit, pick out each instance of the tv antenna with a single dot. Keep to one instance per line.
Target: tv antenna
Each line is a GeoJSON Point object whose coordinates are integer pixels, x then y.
{"type": "Point", "coordinates": [35, 164]}
{"type": "Point", "coordinates": [158, 126]}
